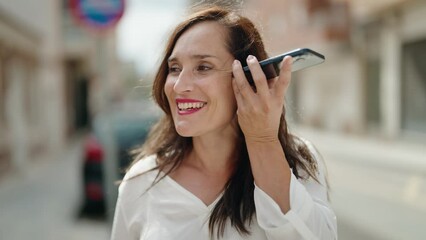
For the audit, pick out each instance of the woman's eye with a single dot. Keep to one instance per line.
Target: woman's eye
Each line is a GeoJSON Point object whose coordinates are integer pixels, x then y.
{"type": "Point", "coordinates": [174, 69]}
{"type": "Point", "coordinates": [203, 68]}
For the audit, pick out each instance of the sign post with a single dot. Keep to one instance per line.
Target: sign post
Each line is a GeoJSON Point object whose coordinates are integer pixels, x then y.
{"type": "Point", "coordinates": [99, 16]}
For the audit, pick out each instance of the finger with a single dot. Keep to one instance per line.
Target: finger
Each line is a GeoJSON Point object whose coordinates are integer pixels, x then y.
{"type": "Point", "coordinates": [284, 78]}
{"type": "Point", "coordinates": [258, 75]}
{"type": "Point", "coordinates": [237, 92]}
{"type": "Point", "coordinates": [271, 82]}
{"type": "Point", "coordinates": [242, 86]}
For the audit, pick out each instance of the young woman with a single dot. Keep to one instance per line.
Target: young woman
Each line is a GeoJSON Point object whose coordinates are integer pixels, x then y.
{"type": "Point", "coordinates": [221, 164]}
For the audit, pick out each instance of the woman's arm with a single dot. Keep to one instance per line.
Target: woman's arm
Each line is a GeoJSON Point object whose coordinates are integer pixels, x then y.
{"type": "Point", "coordinates": [310, 215]}
{"type": "Point", "coordinates": [259, 115]}
{"type": "Point", "coordinates": [120, 227]}
{"type": "Point", "coordinates": [127, 222]}
{"type": "Point", "coordinates": [284, 206]}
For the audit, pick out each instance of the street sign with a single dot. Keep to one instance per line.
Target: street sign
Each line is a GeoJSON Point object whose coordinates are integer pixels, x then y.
{"type": "Point", "coordinates": [98, 15]}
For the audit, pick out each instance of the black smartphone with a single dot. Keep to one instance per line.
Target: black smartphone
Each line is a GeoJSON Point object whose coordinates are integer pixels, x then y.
{"type": "Point", "coordinates": [302, 58]}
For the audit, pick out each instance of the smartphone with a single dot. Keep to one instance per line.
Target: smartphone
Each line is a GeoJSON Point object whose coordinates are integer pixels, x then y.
{"type": "Point", "coordinates": [302, 58]}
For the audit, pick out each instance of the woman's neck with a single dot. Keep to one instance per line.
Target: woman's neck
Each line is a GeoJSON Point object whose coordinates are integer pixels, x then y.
{"type": "Point", "coordinates": [213, 154]}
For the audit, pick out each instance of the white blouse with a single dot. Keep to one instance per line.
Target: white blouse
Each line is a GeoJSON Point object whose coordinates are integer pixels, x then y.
{"type": "Point", "coordinates": [169, 211]}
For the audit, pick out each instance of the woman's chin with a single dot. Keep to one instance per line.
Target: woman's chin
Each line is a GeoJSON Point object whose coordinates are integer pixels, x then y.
{"type": "Point", "coordinates": [184, 131]}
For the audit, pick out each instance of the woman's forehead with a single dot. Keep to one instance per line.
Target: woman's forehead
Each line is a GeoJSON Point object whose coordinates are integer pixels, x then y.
{"type": "Point", "coordinates": [206, 38]}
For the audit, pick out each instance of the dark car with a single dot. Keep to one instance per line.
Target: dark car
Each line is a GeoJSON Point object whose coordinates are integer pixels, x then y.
{"type": "Point", "coordinates": [113, 138]}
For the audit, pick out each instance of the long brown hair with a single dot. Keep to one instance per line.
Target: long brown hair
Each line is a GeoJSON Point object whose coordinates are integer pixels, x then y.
{"type": "Point", "coordinates": [237, 202]}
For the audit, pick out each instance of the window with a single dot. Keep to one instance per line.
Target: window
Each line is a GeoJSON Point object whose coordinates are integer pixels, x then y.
{"type": "Point", "coordinates": [372, 71]}
{"type": "Point", "coordinates": [2, 91]}
{"type": "Point", "coordinates": [413, 87]}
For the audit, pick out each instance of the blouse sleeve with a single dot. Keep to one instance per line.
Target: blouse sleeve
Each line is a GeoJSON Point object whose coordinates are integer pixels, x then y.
{"type": "Point", "coordinates": [126, 224]}
{"type": "Point", "coordinates": [310, 215]}
{"type": "Point", "coordinates": [120, 230]}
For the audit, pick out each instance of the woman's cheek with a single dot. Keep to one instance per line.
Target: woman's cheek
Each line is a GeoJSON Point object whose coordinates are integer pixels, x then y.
{"type": "Point", "coordinates": [168, 87]}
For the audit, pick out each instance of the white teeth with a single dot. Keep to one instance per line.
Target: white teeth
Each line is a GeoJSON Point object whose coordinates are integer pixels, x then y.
{"type": "Point", "coordinates": [186, 106]}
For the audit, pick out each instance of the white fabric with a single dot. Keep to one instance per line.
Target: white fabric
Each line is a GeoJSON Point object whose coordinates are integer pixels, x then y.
{"type": "Point", "coordinates": [169, 211]}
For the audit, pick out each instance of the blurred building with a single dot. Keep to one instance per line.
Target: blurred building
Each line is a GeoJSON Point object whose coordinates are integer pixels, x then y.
{"type": "Point", "coordinates": [373, 81]}
{"type": "Point", "coordinates": [364, 108]}
{"type": "Point", "coordinates": [54, 74]}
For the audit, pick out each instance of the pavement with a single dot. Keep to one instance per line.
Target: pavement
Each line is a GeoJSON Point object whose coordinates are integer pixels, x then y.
{"type": "Point", "coordinates": [378, 186]}
{"type": "Point", "coordinates": [43, 201]}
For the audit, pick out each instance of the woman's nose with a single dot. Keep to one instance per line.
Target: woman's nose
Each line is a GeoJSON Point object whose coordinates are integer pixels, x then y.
{"type": "Point", "coordinates": [184, 82]}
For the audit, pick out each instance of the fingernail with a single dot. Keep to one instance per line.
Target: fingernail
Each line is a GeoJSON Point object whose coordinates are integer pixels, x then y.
{"type": "Point", "coordinates": [286, 61]}
{"type": "Point", "coordinates": [250, 57]}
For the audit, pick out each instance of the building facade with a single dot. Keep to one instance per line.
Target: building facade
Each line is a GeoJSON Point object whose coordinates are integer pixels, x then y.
{"type": "Point", "coordinates": [372, 81]}
{"type": "Point", "coordinates": [54, 74]}
{"type": "Point", "coordinates": [364, 108]}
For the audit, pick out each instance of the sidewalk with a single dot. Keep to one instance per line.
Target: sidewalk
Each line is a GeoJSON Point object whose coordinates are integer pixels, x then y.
{"type": "Point", "coordinates": [378, 186]}
{"type": "Point", "coordinates": [43, 202]}
{"type": "Point", "coordinates": [391, 154]}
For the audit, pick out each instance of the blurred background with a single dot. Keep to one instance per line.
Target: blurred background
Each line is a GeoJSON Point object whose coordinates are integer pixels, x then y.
{"type": "Point", "coordinates": [75, 81]}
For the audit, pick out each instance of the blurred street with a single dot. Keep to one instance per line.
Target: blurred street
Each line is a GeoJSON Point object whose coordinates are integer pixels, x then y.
{"type": "Point", "coordinates": [378, 187]}
{"type": "Point", "coordinates": [43, 201]}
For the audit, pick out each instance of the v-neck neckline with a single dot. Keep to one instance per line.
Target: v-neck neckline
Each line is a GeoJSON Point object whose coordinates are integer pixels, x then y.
{"type": "Point", "coordinates": [191, 195]}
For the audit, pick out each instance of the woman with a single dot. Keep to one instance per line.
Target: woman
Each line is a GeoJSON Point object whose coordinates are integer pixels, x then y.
{"type": "Point", "coordinates": [220, 163]}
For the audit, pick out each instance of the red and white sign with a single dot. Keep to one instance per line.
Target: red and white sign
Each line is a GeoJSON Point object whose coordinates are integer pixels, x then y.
{"type": "Point", "coordinates": [97, 14]}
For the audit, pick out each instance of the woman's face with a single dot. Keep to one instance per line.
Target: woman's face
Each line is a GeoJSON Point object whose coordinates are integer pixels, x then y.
{"type": "Point", "coordinates": [198, 85]}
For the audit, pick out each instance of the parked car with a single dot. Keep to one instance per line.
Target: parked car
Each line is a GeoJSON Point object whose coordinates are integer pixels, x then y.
{"type": "Point", "coordinates": [128, 130]}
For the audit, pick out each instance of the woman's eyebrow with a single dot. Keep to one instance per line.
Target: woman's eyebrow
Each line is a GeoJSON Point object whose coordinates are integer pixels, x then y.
{"type": "Point", "coordinates": [195, 56]}
{"type": "Point", "coordinates": [202, 56]}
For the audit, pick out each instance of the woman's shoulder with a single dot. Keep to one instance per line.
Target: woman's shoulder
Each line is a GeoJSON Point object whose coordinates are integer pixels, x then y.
{"type": "Point", "coordinates": [310, 147]}
{"type": "Point", "coordinates": [139, 177]}
{"type": "Point", "coordinates": [140, 167]}
{"type": "Point", "coordinates": [317, 158]}
{"type": "Point", "coordinates": [319, 161]}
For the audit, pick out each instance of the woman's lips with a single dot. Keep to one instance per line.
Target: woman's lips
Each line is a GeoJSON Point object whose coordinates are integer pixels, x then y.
{"type": "Point", "coordinates": [189, 106]}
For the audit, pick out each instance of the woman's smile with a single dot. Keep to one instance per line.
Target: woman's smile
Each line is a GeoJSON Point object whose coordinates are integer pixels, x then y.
{"type": "Point", "coordinates": [189, 106]}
